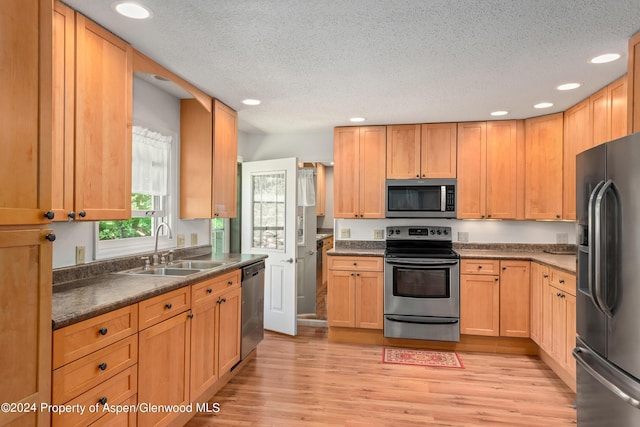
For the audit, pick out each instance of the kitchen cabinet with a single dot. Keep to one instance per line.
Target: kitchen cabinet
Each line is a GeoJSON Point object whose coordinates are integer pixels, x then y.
{"type": "Point", "coordinates": [577, 138]}
{"type": "Point", "coordinates": [539, 283]}
{"type": "Point", "coordinates": [359, 172]}
{"type": "Point", "coordinates": [543, 167]}
{"type": "Point", "coordinates": [633, 85]}
{"type": "Point", "coordinates": [321, 189]}
{"type": "Point", "coordinates": [25, 114]}
{"type": "Point", "coordinates": [355, 294]}
{"type": "Point", "coordinates": [618, 108]}
{"type": "Point", "coordinates": [514, 298]}
{"type": "Point", "coordinates": [421, 151]}
{"type": "Point", "coordinates": [208, 160]}
{"type": "Point", "coordinates": [103, 123]}
{"type": "Point", "coordinates": [215, 330]}
{"type": "Point", "coordinates": [494, 297]}
{"type": "Point", "coordinates": [600, 124]}
{"type": "Point", "coordinates": [25, 316]}
{"type": "Point", "coordinates": [490, 169]}
{"type": "Point", "coordinates": [164, 354]}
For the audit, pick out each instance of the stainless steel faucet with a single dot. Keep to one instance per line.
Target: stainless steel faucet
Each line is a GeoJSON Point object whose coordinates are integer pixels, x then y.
{"type": "Point", "coordinates": [155, 250]}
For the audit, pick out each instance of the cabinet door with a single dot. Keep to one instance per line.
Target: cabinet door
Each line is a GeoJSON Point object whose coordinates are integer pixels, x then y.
{"type": "Point", "coordinates": [341, 298]}
{"type": "Point", "coordinates": [577, 138]}
{"type": "Point", "coordinates": [472, 172]}
{"type": "Point", "coordinates": [600, 122]}
{"type": "Point", "coordinates": [63, 124]}
{"type": "Point", "coordinates": [163, 368]}
{"type": "Point", "coordinates": [543, 167]}
{"type": "Point", "coordinates": [539, 283]}
{"type": "Point", "coordinates": [103, 123]}
{"type": "Point", "coordinates": [321, 189]}
{"type": "Point", "coordinates": [514, 299]}
{"type": "Point", "coordinates": [558, 327]}
{"type": "Point", "coordinates": [372, 177]}
{"type": "Point", "coordinates": [25, 113]}
{"type": "Point", "coordinates": [570, 362]}
{"type": "Point", "coordinates": [501, 181]}
{"type": "Point", "coordinates": [438, 151]}
{"type": "Point", "coordinates": [225, 161]}
{"type": "Point", "coordinates": [403, 152]}
{"type": "Point", "coordinates": [369, 300]}
{"type": "Point", "coordinates": [346, 172]}
{"type": "Point", "coordinates": [633, 85]}
{"type": "Point", "coordinates": [229, 330]}
{"type": "Point", "coordinates": [204, 346]}
{"type": "Point", "coordinates": [618, 108]}
{"type": "Point", "coordinates": [25, 316]}
{"type": "Point", "coordinates": [479, 305]}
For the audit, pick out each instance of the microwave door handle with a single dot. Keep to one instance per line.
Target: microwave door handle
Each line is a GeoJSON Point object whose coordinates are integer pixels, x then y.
{"type": "Point", "coordinates": [443, 198]}
{"type": "Point", "coordinates": [591, 237]}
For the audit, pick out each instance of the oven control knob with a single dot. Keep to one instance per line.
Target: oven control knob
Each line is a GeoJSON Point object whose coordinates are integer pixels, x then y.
{"type": "Point", "coordinates": [397, 231]}
{"type": "Point", "coordinates": [446, 232]}
{"type": "Point", "coordinates": [432, 231]}
{"type": "Point", "coordinates": [439, 232]}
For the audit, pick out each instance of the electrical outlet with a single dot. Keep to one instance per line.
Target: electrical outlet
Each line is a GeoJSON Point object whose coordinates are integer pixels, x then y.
{"type": "Point", "coordinates": [345, 233]}
{"type": "Point", "coordinates": [194, 239]}
{"type": "Point", "coordinates": [562, 237]}
{"type": "Point", "coordinates": [180, 241]}
{"type": "Point", "coordinates": [79, 254]}
{"type": "Point", "coordinates": [378, 234]}
{"type": "Point", "coordinates": [463, 236]}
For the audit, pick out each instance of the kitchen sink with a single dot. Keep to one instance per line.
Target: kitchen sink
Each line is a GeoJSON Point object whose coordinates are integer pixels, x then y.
{"type": "Point", "coordinates": [175, 268]}
{"type": "Point", "coordinates": [200, 265]}
{"type": "Point", "coordinates": [169, 271]}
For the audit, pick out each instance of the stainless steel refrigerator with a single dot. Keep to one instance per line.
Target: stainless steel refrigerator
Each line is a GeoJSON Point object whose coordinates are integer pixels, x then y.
{"type": "Point", "coordinates": [608, 296]}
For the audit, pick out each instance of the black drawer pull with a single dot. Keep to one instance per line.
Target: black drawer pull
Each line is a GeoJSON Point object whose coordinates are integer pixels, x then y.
{"type": "Point", "coordinates": [209, 290]}
{"type": "Point", "coordinates": [102, 366]}
{"type": "Point", "coordinates": [102, 400]}
{"type": "Point", "coordinates": [103, 331]}
{"type": "Point", "coordinates": [168, 306]}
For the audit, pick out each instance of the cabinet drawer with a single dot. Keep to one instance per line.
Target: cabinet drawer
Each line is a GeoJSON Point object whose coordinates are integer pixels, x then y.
{"type": "Point", "coordinates": [209, 288]}
{"type": "Point", "coordinates": [563, 281]}
{"type": "Point", "coordinates": [156, 309]}
{"type": "Point", "coordinates": [479, 266]}
{"type": "Point", "coordinates": [362, 263]}
{"type": "Point", "coordinates": [80, 339]}
{"type": "Point", "coordinates": [113, 391]}
{"type": "Point", "coordinates": [79, 376]}
{"type": "Point", "coordinates": [122, 419]}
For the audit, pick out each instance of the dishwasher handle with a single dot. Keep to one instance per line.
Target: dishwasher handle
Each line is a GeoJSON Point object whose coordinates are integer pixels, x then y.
{"type": "Point", "coordinates": [252, 270]}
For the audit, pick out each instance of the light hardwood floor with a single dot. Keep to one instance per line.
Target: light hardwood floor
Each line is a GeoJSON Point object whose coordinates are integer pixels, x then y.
{"type": "Point", "coordinates": [307, 381]}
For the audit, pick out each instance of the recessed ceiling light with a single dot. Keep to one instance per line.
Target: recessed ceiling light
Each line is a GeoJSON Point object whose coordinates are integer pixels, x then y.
{"type": "Point", "coordinates": [251, 102]}
{"type": "Point", "coordinates": [543, 105]}
{"type": "Point", "coordinates": [568, 86]}
{"type": "Point", "coordinates": [131, 10]}
{"type": "Point", "coordinates": [357, 119]}
{"type": "Point", "coordinates": [607, 57]}
{"type": "Point", "coordinates": [499, 113]}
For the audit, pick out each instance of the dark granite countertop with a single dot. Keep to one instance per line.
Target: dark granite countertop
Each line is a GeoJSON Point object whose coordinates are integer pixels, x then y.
{"type": "Point", "coordinates": [78, 300]}
{"type": "Point", "coordinates": [355, 252]}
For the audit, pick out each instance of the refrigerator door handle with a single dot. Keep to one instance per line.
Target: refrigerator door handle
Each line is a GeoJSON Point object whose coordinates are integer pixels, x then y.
{"type": "Point", "coordinates": [609, 376]}
{"type": "Point", "coordinates": [593, 230]}
{"type": "Point", "coordinates": [608, 186]}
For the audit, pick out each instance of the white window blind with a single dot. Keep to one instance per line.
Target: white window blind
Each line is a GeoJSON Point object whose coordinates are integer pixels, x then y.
{"type": "Point", "coordinates": [151, 152]}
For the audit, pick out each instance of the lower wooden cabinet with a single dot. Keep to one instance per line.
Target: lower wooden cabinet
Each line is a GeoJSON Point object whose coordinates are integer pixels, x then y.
{"type": "Point", "coordinates": [355, 292]}
{"type": "Point", "coordinates": [494, 298]}
{"type": "Point", "coordinates": [539, 283]}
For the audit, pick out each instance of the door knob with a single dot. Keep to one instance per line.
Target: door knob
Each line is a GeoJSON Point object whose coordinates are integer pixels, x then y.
{"type": "Point", "coordinates": [290, 260]}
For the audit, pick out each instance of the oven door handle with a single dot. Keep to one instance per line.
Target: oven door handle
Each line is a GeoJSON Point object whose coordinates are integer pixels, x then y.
{"type": "Point", "coordinates": [423, 320]}
{"type": "Point", "coordinates": [422, 262]}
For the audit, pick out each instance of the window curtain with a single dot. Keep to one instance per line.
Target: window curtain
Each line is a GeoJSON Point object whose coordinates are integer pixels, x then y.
{"type": "Point", "coordinates": [306, 187]}
{"type": "Point", "coordinates": [150, 172]}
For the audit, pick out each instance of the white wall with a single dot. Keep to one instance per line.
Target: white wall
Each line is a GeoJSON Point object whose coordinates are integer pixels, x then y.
{"type": "Point", "coordinates": [310, 147]}
{"type": "Point", "coordinates": [151, 107]}
{"type": "Point", "coordinates": [484, 231]}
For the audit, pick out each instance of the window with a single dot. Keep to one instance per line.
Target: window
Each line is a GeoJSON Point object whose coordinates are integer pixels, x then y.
{"type": "Point", "coordinates": [219, 235]}
{"type": "Point", "coordinates": [153, 181]}
{"type": "Point", "coordinates": [268, 200]}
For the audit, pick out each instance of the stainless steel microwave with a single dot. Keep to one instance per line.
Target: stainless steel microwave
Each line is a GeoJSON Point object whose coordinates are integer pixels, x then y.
{"type": "Point", "coordinates": [421, 198]}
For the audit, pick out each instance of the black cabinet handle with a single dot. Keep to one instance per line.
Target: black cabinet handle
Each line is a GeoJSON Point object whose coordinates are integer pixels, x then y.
{"type": "Point", "coordinates": [190, 315]}
{"type": "Point", "coordinates": [50, 237]}
{"type": "Point", "coordinates": [168, 306]}
{"type": "Point", "coordinates": [103, 331]}
{"type": "Point", "coordinates": [504, 268]}
{"type": "Point", "coordinates": [230, 282]}
{"type": "Point", "coordinates": [49, 215]}
{"type": "Point", "coordinates": [545, 276]}
{"type": "Point", "coordinates": [224, 300]}
{"type": "Point", "coordinates": [102, 400]}
{"type": "Point", "coordinates": [209, 290]}
{"type": "Point", "coordinates": [219, 301]}
{"type": "Point", "coordinates": [82, 214]}
{"type": "Point", "coordinates": [102, 366]}
{"type": "Point", "coordinates": [561, 281]}
{"type": "Point", "coordinates": [71, 215]}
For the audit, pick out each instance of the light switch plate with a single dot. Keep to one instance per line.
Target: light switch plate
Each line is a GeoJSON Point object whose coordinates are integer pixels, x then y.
{"type": "Point", "coordinates": [345, 233]}
{"type": "Point", "coordinates": [378, 234]}
{"type": "Point", "coordinates": [80, 254]}
{"type": "Point", "coordinates": [463, 236]}
{"type": "Point", "coordinates": [180, 241]}
{"type": "Point", "coordinates": [194, 239]}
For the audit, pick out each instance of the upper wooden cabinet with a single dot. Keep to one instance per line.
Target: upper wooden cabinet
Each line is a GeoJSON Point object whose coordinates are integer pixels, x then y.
{"type": "Point", "coordinates": [577, 138]}
{"type": "Point", "coordinates": [92, 110]}
{"type": "Point", "coordinates": [633, 85]}
{"type": "Point", "coordinates": [208, 160]}
{"type": "Point", "coordinates": [543, 167]}
{"type": "Point", "coordinates": [490, 172]}
{"type": "Point", "coordinates": [421, 151]}
{"type": "Point", "coordinates": [321, 189]}
{"type": "Point", "coordinates": [617, 92]}
{"type": "Point", "coordinates": [359, 172]}
{"type": "Point", "coordinates": [25, 111]}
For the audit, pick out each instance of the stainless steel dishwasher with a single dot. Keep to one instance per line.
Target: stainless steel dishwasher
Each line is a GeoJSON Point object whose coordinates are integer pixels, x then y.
{"type": "Point", "coordinates": [252, 307]}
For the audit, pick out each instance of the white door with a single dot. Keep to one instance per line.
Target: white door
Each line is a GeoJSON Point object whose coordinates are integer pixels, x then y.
{"type": "Point", "coordinates": [269, 227]}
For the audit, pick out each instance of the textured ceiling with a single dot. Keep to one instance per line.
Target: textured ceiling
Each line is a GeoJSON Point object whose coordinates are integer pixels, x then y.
{"type": "Point", "coordinates": [316, 63]}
